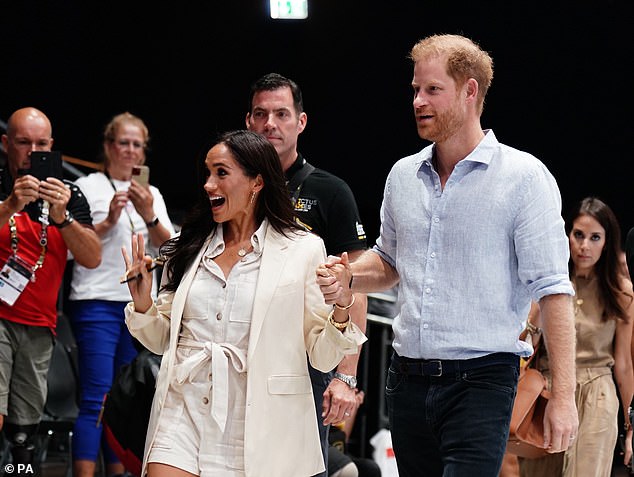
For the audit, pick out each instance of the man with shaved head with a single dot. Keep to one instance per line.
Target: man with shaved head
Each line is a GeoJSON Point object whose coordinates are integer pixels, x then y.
{"type": "Point", "coordinates": [40, 222]}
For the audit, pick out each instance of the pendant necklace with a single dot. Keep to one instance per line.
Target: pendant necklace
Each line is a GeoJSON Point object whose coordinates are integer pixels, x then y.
{"type": "Point", "coordinates": [242, 251]}
{"type": "Point", "coordinates": [578, 300]}
{"type": "Point", "coordinates": [578, 303]}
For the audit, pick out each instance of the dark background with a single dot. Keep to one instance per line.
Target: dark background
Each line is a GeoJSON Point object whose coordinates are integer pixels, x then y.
{"type": "Point", "coordinates": [562, 88]}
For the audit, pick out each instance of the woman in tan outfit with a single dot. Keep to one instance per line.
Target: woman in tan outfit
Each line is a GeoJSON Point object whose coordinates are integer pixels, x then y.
{"type": "Point", "coordinates": [604, 311]}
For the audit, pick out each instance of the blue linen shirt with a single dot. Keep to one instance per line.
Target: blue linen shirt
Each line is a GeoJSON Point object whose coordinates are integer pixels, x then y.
{"type": "Point", "coordinates": [471, 257]}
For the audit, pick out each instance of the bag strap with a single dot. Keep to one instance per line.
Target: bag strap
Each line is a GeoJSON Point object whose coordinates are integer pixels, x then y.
{"type": "Point", "coordinates": [295, 184]}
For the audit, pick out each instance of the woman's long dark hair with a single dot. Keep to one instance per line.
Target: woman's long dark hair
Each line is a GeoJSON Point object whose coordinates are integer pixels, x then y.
{"type": "Point", "coordinates": [255, 155]}
{"type": "Point", "coordinates": [607, 267]}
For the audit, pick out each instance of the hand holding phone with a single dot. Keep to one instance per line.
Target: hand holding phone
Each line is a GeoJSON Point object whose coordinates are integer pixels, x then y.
{"type": "Point", "coordinates": [141, 174]}
{"type": "Point", "coordinates": [44, 164]}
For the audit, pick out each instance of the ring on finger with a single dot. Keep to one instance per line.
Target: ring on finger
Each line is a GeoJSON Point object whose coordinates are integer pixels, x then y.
{"type": "Point", "coordinates": [59, 194]}
{"type": "Point", "coordinates": [346, 413]}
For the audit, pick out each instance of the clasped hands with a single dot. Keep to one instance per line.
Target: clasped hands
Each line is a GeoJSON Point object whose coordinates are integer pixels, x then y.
{"type": "Point", "coordinates": [334, 278]}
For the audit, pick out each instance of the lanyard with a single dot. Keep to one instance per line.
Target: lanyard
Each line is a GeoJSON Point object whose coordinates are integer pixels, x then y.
{"type": "Point", "coordinates": [125, 208]}
{"type": "Point", "coordinates": [43, 242]}
{"type": "Point", "coordinates": [295, 184]}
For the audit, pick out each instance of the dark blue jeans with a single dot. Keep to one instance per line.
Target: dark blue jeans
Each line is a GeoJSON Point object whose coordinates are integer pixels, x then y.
{"type": "Point", "coordinates": [454, 425]}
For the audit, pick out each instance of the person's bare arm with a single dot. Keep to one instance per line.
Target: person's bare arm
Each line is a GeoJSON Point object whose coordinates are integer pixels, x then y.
{"type": "Point", "coordinates": [83, 243]}
{"type": "Point", "coordinates": [372, 273]}
{"type": "Point", "coordinates": [561, 420]}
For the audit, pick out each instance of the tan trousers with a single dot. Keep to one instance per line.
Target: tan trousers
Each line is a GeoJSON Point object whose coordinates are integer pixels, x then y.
{"type": "Point", "coordinates": [592, 453]}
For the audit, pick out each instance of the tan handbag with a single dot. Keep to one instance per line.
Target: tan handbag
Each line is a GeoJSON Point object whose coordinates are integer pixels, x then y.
{"type": "Point", "coordinates": [526, 434]}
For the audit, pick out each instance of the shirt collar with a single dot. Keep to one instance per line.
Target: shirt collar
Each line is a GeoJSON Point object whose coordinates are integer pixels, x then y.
{"type": "Point", "coordinates": [482, 153]}
{"type": "Point", "coordinates": [217, 244]}
{"type": "Point", "coordinates": [297, 166]}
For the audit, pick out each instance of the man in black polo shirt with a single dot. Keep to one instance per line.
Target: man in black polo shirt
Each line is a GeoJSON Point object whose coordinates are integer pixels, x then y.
{"type": "Point", "coordinates": [325, 205]}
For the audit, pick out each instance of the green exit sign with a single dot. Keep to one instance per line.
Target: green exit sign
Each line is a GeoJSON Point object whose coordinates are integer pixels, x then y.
{"type": "Point", "coordinates": [289, 9]}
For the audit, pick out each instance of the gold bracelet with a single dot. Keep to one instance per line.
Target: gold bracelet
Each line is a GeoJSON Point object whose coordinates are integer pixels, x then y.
{"type": "Point", "coordinates": [339, 325]}
{"type": "Point", "coordinates": [346, 307]}
{"type": "Point", "coordinates": [532, 329]}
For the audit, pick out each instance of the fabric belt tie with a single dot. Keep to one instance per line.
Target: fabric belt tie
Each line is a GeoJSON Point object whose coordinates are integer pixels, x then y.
{"type": "Point", "coordinates": [441, 367]}
{"type": "Point", "coordinates": [220, 354]}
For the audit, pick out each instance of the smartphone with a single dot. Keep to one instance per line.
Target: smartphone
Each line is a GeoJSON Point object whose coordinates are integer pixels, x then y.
{"type": "Point", "coordinates": [45, 164]}
{"type": "Point", "coordinates": [141, 174]}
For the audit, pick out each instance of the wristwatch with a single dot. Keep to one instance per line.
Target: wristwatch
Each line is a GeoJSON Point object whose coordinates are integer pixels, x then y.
{"type": "Point", "coordinates": [152, 223]}
{"type": "Point", "coordinates": [346, 378]}
{"type": "Point", "coordinates": [68, 219]}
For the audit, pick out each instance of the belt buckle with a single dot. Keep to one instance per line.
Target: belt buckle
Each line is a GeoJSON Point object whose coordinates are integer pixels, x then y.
{"type": "Point", "coordinates": [439, 371]}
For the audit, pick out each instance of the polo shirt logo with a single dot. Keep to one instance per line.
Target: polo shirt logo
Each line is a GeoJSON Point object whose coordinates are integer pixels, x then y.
{"type": "Point", "coordinates": [304, 205]}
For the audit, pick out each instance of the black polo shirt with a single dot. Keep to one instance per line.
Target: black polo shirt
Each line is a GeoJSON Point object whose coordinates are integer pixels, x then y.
{"type": "Point", "coordinates": [327, 207]}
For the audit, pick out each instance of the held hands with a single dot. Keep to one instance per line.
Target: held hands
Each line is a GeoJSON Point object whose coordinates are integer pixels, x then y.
{"type": "Point", "coordinates": [333, 278]}
{"type": "Point", "coordinates": [138, 274]}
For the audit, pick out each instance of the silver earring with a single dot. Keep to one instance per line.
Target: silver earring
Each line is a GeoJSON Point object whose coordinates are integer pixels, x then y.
{"type": "Point", "coordinates": [252, 197]}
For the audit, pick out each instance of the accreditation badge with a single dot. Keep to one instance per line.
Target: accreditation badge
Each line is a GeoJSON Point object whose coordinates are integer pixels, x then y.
{"type": "Point", "coordinates": [14, 277]}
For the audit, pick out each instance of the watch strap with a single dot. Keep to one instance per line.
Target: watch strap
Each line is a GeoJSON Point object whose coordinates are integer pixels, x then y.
{"type": "Point", "coordinates": [68, 219]}
{"type": "Point", "coordinates": [152, 223]}
{"type": "Point", "coordinates": [346, 378]}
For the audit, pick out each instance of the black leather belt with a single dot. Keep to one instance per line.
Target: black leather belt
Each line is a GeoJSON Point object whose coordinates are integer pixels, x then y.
{"type": "Point", "coordinates": [440, 367]}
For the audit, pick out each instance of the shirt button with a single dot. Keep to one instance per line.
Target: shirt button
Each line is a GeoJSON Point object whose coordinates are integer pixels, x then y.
{"type": "Point", "coordinates": [425, 326]}
{"type": "Point", "coordinates": [433, 255]}
{"type": "Point", "coordinates": [205, 400]}
{"type": "Point", "coordinates": [427, 290]}
{"type": "Point", "coordinates": [218, 316]}
{"type": "Point", "coordinates": [436, 219]}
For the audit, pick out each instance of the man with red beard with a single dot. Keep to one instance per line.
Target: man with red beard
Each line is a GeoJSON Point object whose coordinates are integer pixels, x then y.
{"type": "Point", "coordinates": [471, 231]}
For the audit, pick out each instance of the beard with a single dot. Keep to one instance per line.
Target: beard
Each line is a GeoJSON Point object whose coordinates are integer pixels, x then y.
{"type": "Point", "coordinates": [443, 126]}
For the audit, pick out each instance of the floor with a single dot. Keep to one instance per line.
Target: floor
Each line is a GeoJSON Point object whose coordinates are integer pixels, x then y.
{"type": "Point", "coordinates": [56, 468]}
{"type": "Point", "coordinates": [56, 458]}
{"type": "Point", "coordinates": [57, 462]}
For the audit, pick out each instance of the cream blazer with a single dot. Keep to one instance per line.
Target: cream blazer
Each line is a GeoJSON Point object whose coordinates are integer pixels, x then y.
{"type": "Point", "coordinates": [289, 320]}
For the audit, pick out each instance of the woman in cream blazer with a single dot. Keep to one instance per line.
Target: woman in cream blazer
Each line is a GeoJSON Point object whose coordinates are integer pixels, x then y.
{"type": "Point", "coordinates": [234, 321]}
